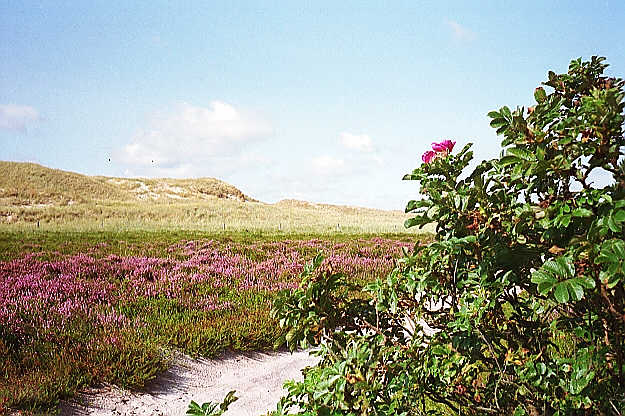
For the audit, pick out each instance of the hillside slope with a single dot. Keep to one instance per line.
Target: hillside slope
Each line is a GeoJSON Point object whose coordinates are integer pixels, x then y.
{"type": "Point", "coordinates": [30, 184]}
{"type": "Point", "coordinates": [33, 184]}
{"type": "Point", "coordinates": [35, 197]}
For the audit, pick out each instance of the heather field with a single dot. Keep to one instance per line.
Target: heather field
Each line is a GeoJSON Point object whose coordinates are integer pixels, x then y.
{"type": "Point", "coordinates": [85, 308]}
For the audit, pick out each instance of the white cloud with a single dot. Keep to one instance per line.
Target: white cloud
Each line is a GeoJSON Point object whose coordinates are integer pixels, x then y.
{"type": "Point", "coordinates": [17, 117]}
{"type": "Point", "coordinates": [191, 137]}
{"type": "Point", "coordinates": [328, 165]}
{"type": "Point", "coordinates": [460, 32]}
{"type": "Point", "coordinates": [360, 142]}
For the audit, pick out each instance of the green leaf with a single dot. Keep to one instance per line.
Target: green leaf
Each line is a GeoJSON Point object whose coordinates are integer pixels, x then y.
{"type": "Point", "coordinates": [545, 287]}
{"type": "Point", "coordinates": [552, 268]}
{"type": "Point", "coordinates": [561, 293]}
{"type": "Point", "coordinates": [521, 153]}
{"type": "Point", "coordinates": [612, 256]}
{"type": "Point", "coordinates": [560, 270]}
{"type": "Point", "coordinates": [540, 95]}
{"type": "Point", "coordinates": [544, 281]}
{"type": "Point", "coordinates": [493, 114]}
{"type": "Point", "coordinates": [564, 220]}
{"type": "Point", "coordinates": [505, 112]}
{"type": "Point", "coordinates": [508, 160]}
{"type": "Point", "coordinates": [539, 276]}
{"type": "Point", "coordinates": [419, 220]}
{"type": "Point", "coordinates": [499, 122]}
{"type": "Point", "coordinates": [613, 225]}
{"type": "Point", "coordinates": [582, 212]}
{"type": "Point", "coordinates": [586, 282]}
{"type": "Point", "coordinates": [562, 267]}
{"type": "Point", "coordinates": [575, 290]}
{"type": "Point", "coordinates": [228, 400]}
{"type": "Point", "coordinates": [412, 205]}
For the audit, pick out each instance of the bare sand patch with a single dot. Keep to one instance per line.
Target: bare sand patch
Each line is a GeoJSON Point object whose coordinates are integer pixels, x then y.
{"type": "Point", "coordinates": [257, 378]}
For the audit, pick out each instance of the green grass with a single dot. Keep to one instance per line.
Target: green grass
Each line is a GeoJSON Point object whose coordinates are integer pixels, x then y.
{"type": "Point", "coordinates": [216, 215]}
{"type": "Point", "coordinates": [14, 243]}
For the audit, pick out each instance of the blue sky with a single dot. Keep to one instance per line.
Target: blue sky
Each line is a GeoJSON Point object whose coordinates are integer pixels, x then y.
{"type": "Point", "coordinates": [322, 101]}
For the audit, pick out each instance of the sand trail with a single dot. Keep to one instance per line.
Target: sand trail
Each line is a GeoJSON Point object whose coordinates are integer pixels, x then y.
{"type": "Point", "coordinates": [257, 378]}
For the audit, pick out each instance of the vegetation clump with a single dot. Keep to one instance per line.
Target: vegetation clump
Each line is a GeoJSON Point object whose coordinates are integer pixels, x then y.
{"type": "Point", "coordinates": [518, 306]}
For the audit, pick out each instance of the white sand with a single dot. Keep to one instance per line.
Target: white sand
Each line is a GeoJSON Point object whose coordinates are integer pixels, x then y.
{"type": "Point", "coordinates": [257, 378]}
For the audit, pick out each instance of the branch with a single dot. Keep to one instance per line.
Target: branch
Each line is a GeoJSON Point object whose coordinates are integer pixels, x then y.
{"type": "Point", "coordinates": [379, 332]}
{"type": "Point", "coordinates": [611, 308]}
{"type": "Point", "coordinates": [615, 409]}
{"type": "Point", "coordinates": [490, 347]}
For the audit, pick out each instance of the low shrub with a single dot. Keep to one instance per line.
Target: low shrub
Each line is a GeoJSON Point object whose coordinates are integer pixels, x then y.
{"type": "Point", "coordinates": [518, 305]}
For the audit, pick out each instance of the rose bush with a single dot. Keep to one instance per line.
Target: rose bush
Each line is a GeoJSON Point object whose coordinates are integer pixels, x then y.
{"type": "Point", "coordinates": [517, 306]}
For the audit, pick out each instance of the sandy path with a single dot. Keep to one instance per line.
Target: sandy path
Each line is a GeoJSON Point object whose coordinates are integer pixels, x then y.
{"type": "Point", "coordinates": [257, 378]}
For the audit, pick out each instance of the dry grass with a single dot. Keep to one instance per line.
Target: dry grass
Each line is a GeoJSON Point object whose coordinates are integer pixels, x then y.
{"type": "Point", "coordinates": [29, 184]}
{"type": "Point", "coordinates": [175, 189]}
{"type": "Point", "coordinates": [35, 196]}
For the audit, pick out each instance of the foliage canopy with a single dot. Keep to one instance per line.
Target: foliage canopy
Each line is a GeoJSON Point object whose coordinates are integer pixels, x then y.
{"type": "Point", "coordinates": [517, 306]}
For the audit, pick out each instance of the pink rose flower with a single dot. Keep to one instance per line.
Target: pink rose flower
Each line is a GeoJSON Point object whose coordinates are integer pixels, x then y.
{"type": "Point", "coordinates": [438, 149]}
{"type": "Point", "coordinates": [446, 146]}
{"type": "Point", "coordinates": [428, 156]}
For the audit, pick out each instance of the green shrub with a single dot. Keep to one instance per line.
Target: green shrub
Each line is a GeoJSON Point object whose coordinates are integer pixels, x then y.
{"type": "Point", "coordinates": [518, 305]}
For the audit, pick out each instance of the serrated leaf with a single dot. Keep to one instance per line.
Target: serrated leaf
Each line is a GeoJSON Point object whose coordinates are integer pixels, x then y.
{"type": "Point", "coordinates": [553, 268]}
{"type": "Point", "coordinates": [539, 276]}
{"type": "Point", "coordinates": [561, 293]}
{"type": "Point", "coordinates": [552, 272]}
{"type": "Point", "coordinates": [521, 153]}
{"type": "Point", "coordinates": [586, 282]}
{"type": "Point", "coordinates": [575, 290]}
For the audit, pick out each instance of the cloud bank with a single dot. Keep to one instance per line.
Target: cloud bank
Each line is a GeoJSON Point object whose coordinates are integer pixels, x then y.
{"type": "Point", "coordinates": [189, 138]}
{"type": "Point", "coordinates": [17, 117]}
{"type": "Point", "coordinates": [360, 142]}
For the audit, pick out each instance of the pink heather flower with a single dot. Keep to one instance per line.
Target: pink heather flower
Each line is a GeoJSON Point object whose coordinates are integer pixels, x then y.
{"type": "Point", "coordinates": [428, 156]}
{"type": "Point", "coordinates": [446, 146]}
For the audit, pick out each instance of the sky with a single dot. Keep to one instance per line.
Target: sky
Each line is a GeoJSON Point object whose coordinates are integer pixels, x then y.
{"type": "Point", "coordinates": [324, 101]}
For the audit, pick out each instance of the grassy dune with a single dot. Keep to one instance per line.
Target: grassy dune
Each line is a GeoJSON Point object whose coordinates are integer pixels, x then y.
{"type": "Point", "coordinates": [32, 195]}
{"type": "Point", "coordinates": [23, 184]}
